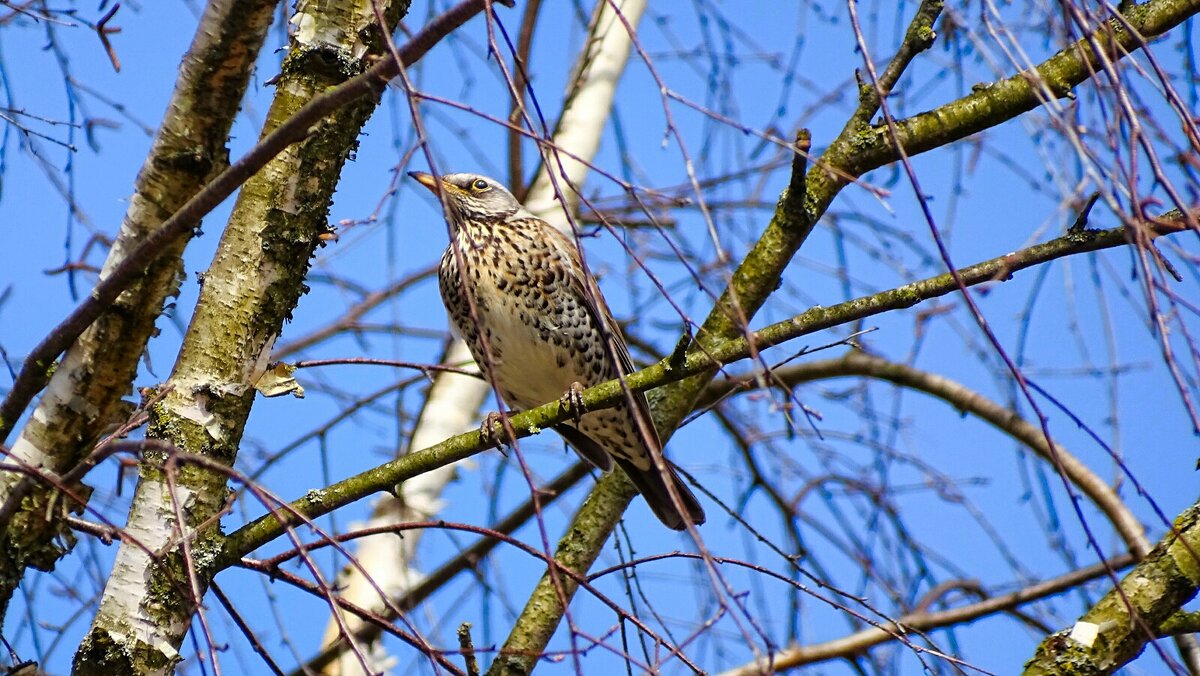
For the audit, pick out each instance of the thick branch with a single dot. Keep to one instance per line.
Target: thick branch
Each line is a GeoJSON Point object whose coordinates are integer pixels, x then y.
{"type": "Point", "coordinates": [35, 368]}
{"type": "Point", "coordinates": [264, 529]}
{"type": "Point", "coordinates": [992, 104]}
{"type": "Point", "coordinates": [1117, 628]}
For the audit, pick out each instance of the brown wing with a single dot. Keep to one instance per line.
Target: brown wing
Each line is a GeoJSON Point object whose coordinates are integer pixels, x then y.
{"type": "Point", "coordinates": [586, 289]}
{"type": "Point", "coordinates": [587, 448]}
{"type": "Point", "coordinates": [650, 482]}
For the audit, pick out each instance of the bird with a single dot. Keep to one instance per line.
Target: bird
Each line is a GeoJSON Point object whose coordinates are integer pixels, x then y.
{"type": "Point", "coordinates": [534, 320]}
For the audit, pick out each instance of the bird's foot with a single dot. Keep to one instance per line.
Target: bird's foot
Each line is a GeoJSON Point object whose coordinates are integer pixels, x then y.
{"type": "Point", "coordinates": [491, 430]}
{"type": "Point", "coordinates": [572, 401]}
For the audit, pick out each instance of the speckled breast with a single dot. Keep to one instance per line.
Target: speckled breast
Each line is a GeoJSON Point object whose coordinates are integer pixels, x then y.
{"type": "Point", "coordinates": [529, 326]}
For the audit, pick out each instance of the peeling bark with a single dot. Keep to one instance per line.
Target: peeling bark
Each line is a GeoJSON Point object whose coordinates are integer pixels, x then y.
{"type": "Point", "coordinates": [84, 394]}
{"type": "Point", "coordinates": [254, 282]}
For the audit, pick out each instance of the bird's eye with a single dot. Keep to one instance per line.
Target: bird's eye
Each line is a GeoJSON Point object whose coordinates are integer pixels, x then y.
{"type": "Point", "coordinates": [480, 185]}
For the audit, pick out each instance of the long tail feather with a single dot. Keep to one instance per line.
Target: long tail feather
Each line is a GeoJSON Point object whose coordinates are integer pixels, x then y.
{"type": "Point", "coordinates": [652, 487]}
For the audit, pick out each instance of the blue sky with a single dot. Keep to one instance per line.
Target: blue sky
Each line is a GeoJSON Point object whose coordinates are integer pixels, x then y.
{"type": "Point", "coordinates": [999, 192]}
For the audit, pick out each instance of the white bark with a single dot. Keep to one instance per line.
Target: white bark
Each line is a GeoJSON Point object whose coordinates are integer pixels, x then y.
{"type": "Point", "coordinates": [59, 399]}
{"type": "Point", "coordinates": [145, 611]}
{"type": "Point", "coordinates": [588, 108]}
{"type": "Point", "coordinates": [68, 412]}
{"type": "Point", "coordinates": [454, 400]}
{"type": "Point", "coordinates": [451, 407]}
{"type": "Point", "coordinates": [127, 614]}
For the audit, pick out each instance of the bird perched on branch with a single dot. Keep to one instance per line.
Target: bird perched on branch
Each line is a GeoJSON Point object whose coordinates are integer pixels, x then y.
{"type": "Point", "coordinates": [536, 324]}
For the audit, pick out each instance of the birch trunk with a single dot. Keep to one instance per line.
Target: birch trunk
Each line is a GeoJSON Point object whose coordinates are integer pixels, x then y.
{"type": "Point", "coordinates": [84, 394]}
{"type": "Point", "coordinates": [255, 281]}
{"type": "Point", "coordinates": [452, 407]}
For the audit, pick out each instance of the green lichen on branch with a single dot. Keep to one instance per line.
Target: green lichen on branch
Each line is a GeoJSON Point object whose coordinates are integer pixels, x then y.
{"type": "Point", "coordinates": [576, 551]}
{"type": "Point", "coordinates": [994, 103]}
{"type": "Point", "coordinates": [1117, 628]}
{"type": "Point", "coordinates": [670, 369]}
{"type": "Point", "coordinates": [249, 292]}
{"type": "Point", "coordinates": [855, 151]}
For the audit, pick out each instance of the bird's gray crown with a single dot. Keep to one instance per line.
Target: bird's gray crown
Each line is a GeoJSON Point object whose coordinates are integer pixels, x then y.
{"type": "Point", "coordinates": [474, 196]}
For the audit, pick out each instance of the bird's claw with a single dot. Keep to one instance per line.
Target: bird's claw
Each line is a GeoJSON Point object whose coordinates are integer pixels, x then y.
{"type": "Point", "coordinates": [491, 430]}
{"type": "Point", "coordinates": [572, 401]}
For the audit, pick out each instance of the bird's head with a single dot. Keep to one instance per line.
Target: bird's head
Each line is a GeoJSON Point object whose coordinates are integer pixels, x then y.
{"type": "Point", "coordinates": [472, 197]}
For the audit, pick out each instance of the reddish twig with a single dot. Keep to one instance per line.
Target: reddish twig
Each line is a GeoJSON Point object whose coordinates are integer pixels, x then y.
{"type": "Point", "coordinates": [103, 30]}
{"type": "Point", "coordinates": [35, 369]}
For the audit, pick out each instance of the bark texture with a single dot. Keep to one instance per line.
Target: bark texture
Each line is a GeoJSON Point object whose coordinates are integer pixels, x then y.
{"type": "Point", "coordinates": [1116, 630]}
{"type": "Point", "coordinates": [84, 394]}
{"type": "Point", "coordinates": [255, 281]}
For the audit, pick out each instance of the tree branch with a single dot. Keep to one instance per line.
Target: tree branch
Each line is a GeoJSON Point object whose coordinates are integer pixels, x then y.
{"type": "Point", "coordinates": [1116, 629]}
{"type": "Point", "coordinates": [964, 399]}
{"type": "Point", "coordinates": [264, 529]}
{"type": "Point", "coordinates": [859, 642]}
{"type": "Point", "coordinates": [37, 365]}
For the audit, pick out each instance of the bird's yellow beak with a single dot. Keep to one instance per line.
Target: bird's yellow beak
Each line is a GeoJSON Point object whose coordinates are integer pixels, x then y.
{"type": "Point", "coordinates": [427, 180]}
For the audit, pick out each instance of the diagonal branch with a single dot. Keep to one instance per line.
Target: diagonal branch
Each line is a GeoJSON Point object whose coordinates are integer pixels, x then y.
{"type": "Point", "coordinates": [37, 365]}
{"type": "Point", "coordinates": [382, 478]}
{"type": "Point", "coordinates": [466, 559]}
{"type": "Point", "coordinates": [1112, 632]}
{"type": "Point", "coordinates": [924, 621]}
{"type": "Point", "coordinates": [856, 150]}
{"type": "Point", "coordinates": [968, 401]}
